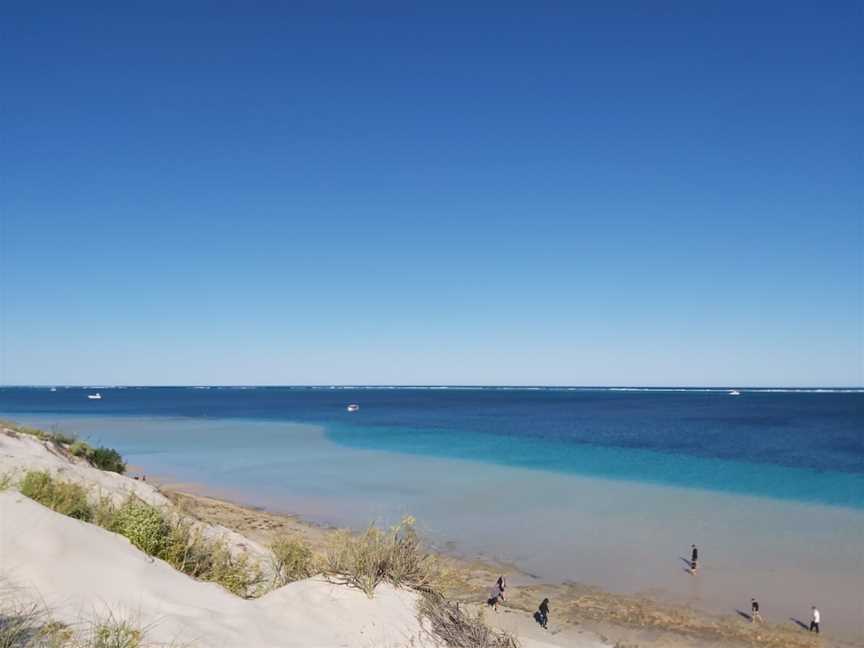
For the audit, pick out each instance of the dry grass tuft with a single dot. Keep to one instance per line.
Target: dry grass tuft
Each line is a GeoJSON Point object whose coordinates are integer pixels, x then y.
{"type": "Point", "coordinates": [456, 628]}
{"type": "Point", "coordinates": [292, 561]}
{"type": "Point", "coordinates": [394, 556]}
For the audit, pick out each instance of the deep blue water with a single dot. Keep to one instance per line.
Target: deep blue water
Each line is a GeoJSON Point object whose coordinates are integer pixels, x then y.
{"type": "Point", "coordinates": [802, 445]}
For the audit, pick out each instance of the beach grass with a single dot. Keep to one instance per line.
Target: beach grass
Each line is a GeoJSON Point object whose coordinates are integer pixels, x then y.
{"type": "Point", "coordinates": [154, 531]}
{"type": "Point", "coordinates": [395, 556]}
{"type": "Point", "coordinates": [292, 560]}
{"type": "Point", "coordinates": [30, 625]}
{"type": "Point", "coordinates": [64, 497]}
{"type": "Point", "coordinates": [459, 629]}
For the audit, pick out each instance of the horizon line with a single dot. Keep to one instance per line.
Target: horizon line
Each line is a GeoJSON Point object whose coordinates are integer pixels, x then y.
{"type": "Point", "coordinates": [423, 386]}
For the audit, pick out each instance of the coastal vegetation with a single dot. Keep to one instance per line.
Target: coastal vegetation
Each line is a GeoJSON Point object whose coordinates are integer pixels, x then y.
{"type": "Point", "coordinates": [459, 629]}
{"type": "Point", "coordinates": [156, 532]}
{"type": "Point", "coordinates": [395, 556]}
{"type": "Point", "coordinates": [64, 497]}
{"type": "Point", "coordinates": [30, 626]}
{"type": "Point", "coordinates": [293, 560]}
{"type": "Point", "coordinates": [100, 457]}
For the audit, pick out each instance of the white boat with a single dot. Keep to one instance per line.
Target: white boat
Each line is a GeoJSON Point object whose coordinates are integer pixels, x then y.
{"type": "Point", "coordinates": [96, 396]}
{"type": "Point", "coordinates": [53, 389]}
{"type": "Point", "coordinates": [734, 392]}
{"type": "Point", "coordinates": [353, 407]}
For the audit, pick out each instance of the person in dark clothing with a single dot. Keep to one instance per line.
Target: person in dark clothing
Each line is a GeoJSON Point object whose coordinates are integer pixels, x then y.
{"type": "Point", "coordinates": [754, 611]}
{"type": "Point", "coordinates": [502, 584]}
{"type": "Point", "coordinates": [543, 613]}
{"type": "Point", "coordinates": [694, 558]}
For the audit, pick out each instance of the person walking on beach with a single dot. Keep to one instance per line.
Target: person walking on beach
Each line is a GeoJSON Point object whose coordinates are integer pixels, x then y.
{"type": "Point", "coordinates": [543, 614]}
{"type": "Point", "coordinates": [502, 584]}
{"type": "Point", "coordinates": [496, 595]}
{"type": "Point", "coordinates": [754, 611]}
{"type": "Point", "coordinates": [694, 558]}
{"type": "Point", "coordinates": [815, 618]}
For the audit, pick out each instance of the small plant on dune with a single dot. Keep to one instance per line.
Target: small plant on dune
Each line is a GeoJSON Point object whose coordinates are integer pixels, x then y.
{"type": "Point", "coordinates": [20, 626]}
{"type": "Point", "coordinates": [81, 449]}
{"type": "Point", "coordinates": [7, 480]}
{"type": "Point", "coordinates": [237, 574]}
{"type": "Point", "coordinates": [111, 631]}
{"type": "Point", "coordinates": [105, 513]}
{"type": "Point", "coordinates": [115, 634]}
{"type": "Point", "coordinates": [27, 625]}
{"type": "Point", "coordinates": [56, 435]}
{"type": "Point", "coordinates": [144, 525]}
{"type": "Point", "coordinates": [64, 497]}
{"type": "Point", "coordinates": [108, 459]}
{"type": "Point", "coordinates": [358, 560]}
{"type": "Point", "coordinates": [292, 560]}
{"type": "Point", "coordinates": [375, 556]}
{"type": "Point", "coordinates": [455, 628]}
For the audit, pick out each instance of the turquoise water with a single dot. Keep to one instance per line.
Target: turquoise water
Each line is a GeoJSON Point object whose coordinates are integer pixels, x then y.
{"type": "Point", "coordinates": [801, 445]}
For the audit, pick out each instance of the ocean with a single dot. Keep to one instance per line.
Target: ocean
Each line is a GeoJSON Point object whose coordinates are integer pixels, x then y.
{"type": "Point", "coordinates": [805, 445]}
{"type": "Point", "coordinates": [606, 486]}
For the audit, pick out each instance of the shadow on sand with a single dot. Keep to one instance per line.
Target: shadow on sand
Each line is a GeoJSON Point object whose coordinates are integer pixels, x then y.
{"type": "Point", "coordinates": [689, 567]}
{"type": "Point", "coordinates": [799, 623]}
{"type": "Point", "coordinates": [741, 613]}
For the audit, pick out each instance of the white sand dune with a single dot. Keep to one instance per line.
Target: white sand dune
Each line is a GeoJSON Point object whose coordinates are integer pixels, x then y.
{"type": "Point", "coordinates": [20, 453]}
{"type": "Point", "coordinates": [82, 571]}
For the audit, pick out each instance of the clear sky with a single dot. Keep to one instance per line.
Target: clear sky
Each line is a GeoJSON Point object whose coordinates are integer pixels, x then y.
{"type": "Point", "coordinates": [424, 193]}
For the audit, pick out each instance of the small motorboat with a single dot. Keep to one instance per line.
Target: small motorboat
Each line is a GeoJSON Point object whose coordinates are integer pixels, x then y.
{"type": "Point", "coordinates": [53, 389]}
{"type": "Point", "coordinates": [734, 392]}
{"type": "Point", "coordinates": [353, 407]}
{"type": "Point", "coordinates": [96, 396]}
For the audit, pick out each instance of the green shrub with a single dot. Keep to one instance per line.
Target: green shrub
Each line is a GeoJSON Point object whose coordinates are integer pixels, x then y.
{"type": "Point", "coordinates": [237, 574]}
{"type": "Point", "coordinates": [177, 542]}
{"type": "Point", "coordinates": [108, 459]}
{"type": "Point", "coordinates": [144, 525]}
{"type": "Point", "coordinates": [292, 560]}
{"type": "Point", "coordinates": [82, 449]}
{"type": "Point", "coordinates": [64, 497]}
{"type": "Point", "coordinates": [375, 556]}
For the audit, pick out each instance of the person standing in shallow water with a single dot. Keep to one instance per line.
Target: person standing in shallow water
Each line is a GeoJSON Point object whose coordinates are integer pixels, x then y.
{"type": "Point", "coordinates": [815, 618]}
{"type": "Point", "coordinates": [543, 614]}
{"type": "Point", "coordinates": [694, 558]}
{"type": "Point", "coordinates": [754, 611]}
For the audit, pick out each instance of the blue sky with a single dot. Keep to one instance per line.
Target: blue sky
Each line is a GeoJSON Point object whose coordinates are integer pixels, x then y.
{"type": "Point", "coordinates": [424, 193]}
